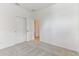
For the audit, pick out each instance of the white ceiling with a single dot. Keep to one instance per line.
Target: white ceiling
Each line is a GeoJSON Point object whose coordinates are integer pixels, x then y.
{"type": "Point", "coordinates": [35, 6]}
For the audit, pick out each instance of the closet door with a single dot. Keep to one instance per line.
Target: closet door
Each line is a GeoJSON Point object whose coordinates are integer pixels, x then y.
{"type": "Point", "coordinates": [21, 33]}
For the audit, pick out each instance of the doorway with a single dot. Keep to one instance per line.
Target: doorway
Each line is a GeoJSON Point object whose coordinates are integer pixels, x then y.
{"type": "Point", "coordinates": [37, 31]}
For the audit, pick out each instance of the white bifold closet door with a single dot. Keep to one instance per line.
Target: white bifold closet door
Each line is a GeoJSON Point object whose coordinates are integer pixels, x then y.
{"type": "Point", "coordinates": [21, 29]}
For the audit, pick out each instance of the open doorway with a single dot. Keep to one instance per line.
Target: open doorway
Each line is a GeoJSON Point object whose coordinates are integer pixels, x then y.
{"type": "Point", "coordinates": [37, 31]}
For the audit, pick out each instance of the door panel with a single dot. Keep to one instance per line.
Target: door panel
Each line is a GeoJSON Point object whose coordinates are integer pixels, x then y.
{"type": "Point", "coordinates": [21, 28]}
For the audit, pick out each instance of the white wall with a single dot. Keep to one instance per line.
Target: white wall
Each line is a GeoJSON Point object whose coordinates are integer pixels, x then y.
{"type": "Point", "coordinates": [9, 24]}
{"type": "Point", "coordinates": [30, 30]}
{"type": "Point", "coordinates": [59, 25]}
